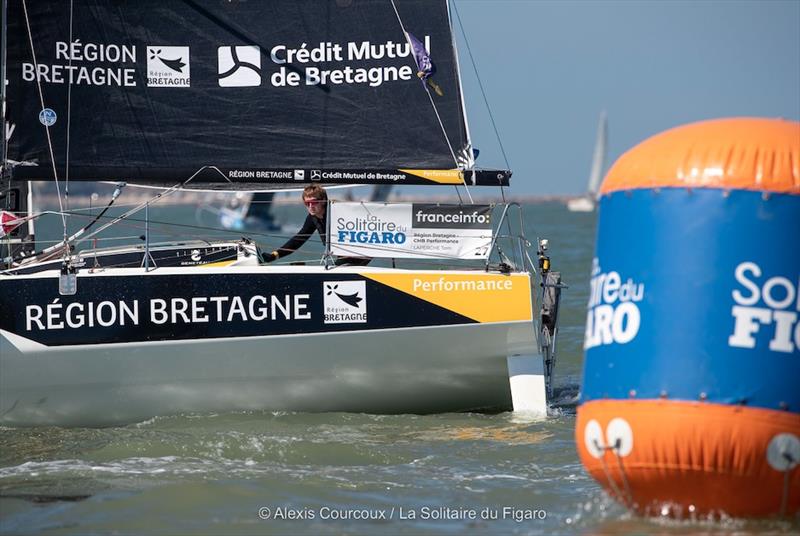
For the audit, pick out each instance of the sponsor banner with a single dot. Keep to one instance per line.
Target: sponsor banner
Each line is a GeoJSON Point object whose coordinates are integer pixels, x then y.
{"type": "Point", "coordinates": [420, 231]}
{"type": "Point", "coordinates": [199, 305]}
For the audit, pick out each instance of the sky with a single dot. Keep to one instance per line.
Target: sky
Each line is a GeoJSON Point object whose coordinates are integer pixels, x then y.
{"type": "Point", "coordinates": [550, 67]}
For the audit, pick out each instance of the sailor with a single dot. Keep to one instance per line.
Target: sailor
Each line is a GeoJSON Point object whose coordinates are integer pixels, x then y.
{"type": "Point", "coordinates": [315, 198]}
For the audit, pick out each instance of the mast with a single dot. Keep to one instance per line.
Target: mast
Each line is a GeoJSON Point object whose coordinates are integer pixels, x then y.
{"type": "Point", "coordinates": [16, 197]}
{"type": "Point", "coordinates": [471, 160]}
{"type": "Point", "coordinates": [3, 63]}
{"type": "Point", "coordinates": [5, 185]}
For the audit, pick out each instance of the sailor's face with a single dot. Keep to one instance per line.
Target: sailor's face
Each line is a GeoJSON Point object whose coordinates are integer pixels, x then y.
{"type": "Point", "coordinates": [316, 207]}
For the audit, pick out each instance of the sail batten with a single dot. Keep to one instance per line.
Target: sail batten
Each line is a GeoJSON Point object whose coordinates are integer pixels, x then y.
{"type": "Point", "coordinates": [267, 92]}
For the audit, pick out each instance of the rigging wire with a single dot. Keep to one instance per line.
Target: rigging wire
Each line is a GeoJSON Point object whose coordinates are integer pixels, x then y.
{"type": "Point", "coordinates": [460, 201]}
{"type": "Point", "coordinates": [469, 159]}
{"type": "Point", "coordinates": [46, 127]}
{"type": "Point", "coordinates": [483, 93]}
{"type": "Point", "coordinates": [431, 261]}
{"type": "Point", "coordinates": [164, 229]}
{"type": "Point", "coordinates": [104, 239]}
{"type": "Point", "coordinates": [155, 199]}
{"type": "Point", "coordinates": [65, 242]}
{"type": "Point", "coordinates": [430, 98]}
{"type": "Point", "coordinates": [69, 110]}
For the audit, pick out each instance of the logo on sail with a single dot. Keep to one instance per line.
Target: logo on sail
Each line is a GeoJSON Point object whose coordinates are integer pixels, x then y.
{"type": "Point", "coordinates": [239, 66]}
{"type": "Point", "coordinates": [168, 67]}
{"type": "Point", "coordinates": [345, 302]}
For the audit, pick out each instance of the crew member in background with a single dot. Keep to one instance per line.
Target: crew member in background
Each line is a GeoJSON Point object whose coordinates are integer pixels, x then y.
{"type": "Point", "coordinates": [315, 199]}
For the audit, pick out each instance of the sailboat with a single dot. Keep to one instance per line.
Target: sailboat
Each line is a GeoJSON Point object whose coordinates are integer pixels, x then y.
{"type": "Point", "coordinates": [459, 311]}
{"type": "Point", "coordinates": [588, 202]}
{"type": "Point", "coordinates": [251, 212]}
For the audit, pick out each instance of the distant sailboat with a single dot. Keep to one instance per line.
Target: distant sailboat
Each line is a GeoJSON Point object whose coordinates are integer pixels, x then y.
{"type": "Point", "coordinates": [588, 202]}
{"type": "Point", "coordinates": [246, 211]}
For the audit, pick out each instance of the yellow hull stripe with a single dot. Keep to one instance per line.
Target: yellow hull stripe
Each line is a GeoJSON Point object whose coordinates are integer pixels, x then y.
{"type": "Point", "coordinates": [440, 176]}
{"type": "Point", "coordinates": [481, 297]}
{"type": "Point", "coordinates": [216, 264]}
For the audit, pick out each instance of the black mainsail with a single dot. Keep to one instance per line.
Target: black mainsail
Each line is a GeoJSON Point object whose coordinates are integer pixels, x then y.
{"type": "Point", "coordinates": [264, 93]}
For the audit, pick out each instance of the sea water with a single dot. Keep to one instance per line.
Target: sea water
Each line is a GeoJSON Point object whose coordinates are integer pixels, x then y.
{"type": "Point", "coordinates": [334, 473]}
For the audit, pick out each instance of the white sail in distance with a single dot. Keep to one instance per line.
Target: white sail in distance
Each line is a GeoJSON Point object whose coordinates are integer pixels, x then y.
{"type": "Point", "coordinates": [587, 202]}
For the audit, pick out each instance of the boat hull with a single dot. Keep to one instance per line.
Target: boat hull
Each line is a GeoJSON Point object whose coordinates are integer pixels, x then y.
{"type": "Point", "coordinates": [581, 204]}
{"type": "Point", "coordinates": [411, 354]}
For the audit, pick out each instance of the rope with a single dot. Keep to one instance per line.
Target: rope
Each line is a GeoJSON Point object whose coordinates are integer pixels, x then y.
{"type": "Point", "coordinates": [133, 223]}
{"type": "Point", "coordinates": [125, 221]}
{"type": "Point", "coordinates": [47, 128]}
{"type": "Point", "coordinates": [627, 497]}
{"type": "Point", "coordinates": [789, 467]}
{"type": "Point", "coordinates": [141, 206]}
{"type": "Point", "coordinates": [616, 448]}
{"type": "Point", "coordinates": [65, 242]}
{"type": "Point", "coordinates": [483, 93]}
{"type": "Point", "coordinates": [612, 484]}
{"type": "Point", "coordinates": [466, 189]}
{"type": "Point", "coordinates": [76, 213]}
{"type": "Point", "coordinates": [785, 495]}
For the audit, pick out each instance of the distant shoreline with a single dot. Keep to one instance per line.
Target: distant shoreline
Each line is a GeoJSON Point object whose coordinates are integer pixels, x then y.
{"type": "Point", "coordinates": [49, 198]}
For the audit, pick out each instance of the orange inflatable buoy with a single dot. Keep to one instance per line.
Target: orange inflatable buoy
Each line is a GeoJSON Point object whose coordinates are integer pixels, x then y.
{"type": "Point", "coordinates": [691, 387]}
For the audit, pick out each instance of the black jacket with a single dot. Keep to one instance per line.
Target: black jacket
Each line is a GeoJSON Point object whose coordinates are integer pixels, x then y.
{"type": "Point", "coordinates": [311, 224]}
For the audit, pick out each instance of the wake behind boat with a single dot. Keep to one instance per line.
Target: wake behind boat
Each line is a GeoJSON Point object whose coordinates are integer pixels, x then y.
{"type": "Point", "coordinates": [454, 313]}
